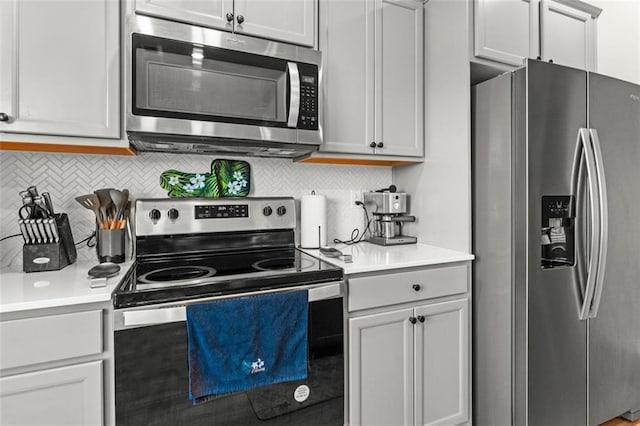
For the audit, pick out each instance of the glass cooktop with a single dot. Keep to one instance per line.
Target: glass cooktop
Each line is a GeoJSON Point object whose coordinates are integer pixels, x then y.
{"type": "Point", "coordinates": [187, 277]}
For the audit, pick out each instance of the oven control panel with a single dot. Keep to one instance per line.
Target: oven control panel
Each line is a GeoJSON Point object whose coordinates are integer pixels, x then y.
{"type": "Point", "coordinates": [225, 211]}
{"type": "Point", "coordinates": [172, 216]}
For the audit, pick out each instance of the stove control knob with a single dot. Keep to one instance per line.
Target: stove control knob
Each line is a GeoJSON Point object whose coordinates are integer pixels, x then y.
{"type": "Point", "coordinates": [267, 211]}
{"type": "Point", "coordinates": [282, 210]}
{"type": "Point", "coordinates": [173, 214]}
{"type": "Point", "coordinates": [154, 215]}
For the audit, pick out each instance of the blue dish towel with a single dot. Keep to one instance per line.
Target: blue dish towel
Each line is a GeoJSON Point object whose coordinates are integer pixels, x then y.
{"type": "Point", "coordinates": [245, 342]}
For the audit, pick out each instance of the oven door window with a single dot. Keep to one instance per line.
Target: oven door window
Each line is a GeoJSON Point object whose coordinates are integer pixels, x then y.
{"type": "Point", "coordinates": [180, 80]}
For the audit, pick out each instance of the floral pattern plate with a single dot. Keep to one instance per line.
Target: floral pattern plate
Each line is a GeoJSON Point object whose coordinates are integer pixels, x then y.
{"type": "Point", "coordinates": [228, 178]}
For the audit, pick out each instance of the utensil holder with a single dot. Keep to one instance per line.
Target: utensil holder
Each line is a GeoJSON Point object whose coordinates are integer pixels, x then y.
{"type": "Point", "coordinates": [51, 256]}
{"type": "Point", "coordinates": [110, 245]}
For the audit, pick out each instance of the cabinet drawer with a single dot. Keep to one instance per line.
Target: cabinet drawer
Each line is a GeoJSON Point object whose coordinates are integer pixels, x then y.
{"type": "Point", "coordinates": [390, 289]}
{"type": "Point", "coordinates": [51, 338]}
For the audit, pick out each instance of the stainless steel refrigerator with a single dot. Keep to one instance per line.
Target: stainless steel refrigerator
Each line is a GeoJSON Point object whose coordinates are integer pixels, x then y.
{"type": "Point", "coordinates": [556, 234]}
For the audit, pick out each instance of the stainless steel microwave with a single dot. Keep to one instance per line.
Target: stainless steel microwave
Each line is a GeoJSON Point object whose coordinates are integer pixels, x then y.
{"type": "Point", "coordinates": [199, 90]}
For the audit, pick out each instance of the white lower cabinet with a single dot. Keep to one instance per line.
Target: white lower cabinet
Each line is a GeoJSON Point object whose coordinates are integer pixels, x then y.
{"type": "Point", "coordinates": [67, 396]}
{"type": "Point", "coordinates": [53, 367]}
{"type": "Point", "coordinates": [442, 363]}
{"type": "Point", "coordinates": [409, 347]}
{"type": "Point", "coordinates": [410, 366]}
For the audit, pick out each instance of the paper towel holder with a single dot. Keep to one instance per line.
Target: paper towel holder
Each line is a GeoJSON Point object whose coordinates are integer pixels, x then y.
{"type": "Point", "coordinates": [313, 220]}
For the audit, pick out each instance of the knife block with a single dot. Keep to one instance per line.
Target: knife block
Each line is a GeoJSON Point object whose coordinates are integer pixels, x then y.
{"type": "Point", "coordinates": [51, 256]}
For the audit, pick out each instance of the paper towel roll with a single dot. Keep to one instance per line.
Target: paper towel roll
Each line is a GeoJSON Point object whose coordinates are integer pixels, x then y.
{"type": "Point", "coordinates": [313, 221]}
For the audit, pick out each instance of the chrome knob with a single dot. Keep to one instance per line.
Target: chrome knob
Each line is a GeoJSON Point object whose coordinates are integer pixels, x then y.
{"type": "Point", "coordinates": [380, 145]}
{"type": "Point", "coordinates": [154, 215]}
{"type": "Point", "coordinates": [240, 19]}
{"type": "Point", "coordinates": [416, 287]}
{"type": "Point", "coordinates": [173, 214]}
{"type": "Point", "coordinates": [4, 117]}
{"type": "Point", "coordinates": [229, 17]}
{"type": "Point", "coordinates": [413, 320]}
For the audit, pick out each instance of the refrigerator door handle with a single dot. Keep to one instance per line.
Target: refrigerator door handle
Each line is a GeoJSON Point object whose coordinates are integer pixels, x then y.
{"type": "Point", "coordinates": [584, 151]}
{"type": "Point", "coordinates": [604, 223]}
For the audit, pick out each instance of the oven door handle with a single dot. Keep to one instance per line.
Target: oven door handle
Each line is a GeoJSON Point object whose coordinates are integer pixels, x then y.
{"type": "Point", "coordinates": [163, 314]}
{"type": "Point", "coordinates": [294, 94]}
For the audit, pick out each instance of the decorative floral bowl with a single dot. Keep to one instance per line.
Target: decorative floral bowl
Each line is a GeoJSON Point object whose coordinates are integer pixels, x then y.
{"type": "Point", "coordinates": [228, 178]}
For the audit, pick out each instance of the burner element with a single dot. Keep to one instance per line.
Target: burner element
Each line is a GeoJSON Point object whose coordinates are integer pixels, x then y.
{"type": "Point", "coordinates": [178, 275]}
{"type": "Point", "coordinates": [277, 263]}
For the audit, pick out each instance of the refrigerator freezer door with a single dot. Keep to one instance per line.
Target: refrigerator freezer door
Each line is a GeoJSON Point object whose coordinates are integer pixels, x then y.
{"type": "Point", "coordinates": [614, 334]}
{"type": "Point", "coordinates": [557, 338]}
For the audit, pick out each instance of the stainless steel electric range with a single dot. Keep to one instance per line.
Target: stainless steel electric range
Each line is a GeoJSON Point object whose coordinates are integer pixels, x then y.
{"type": "Point", "coordinates": [198, 250]}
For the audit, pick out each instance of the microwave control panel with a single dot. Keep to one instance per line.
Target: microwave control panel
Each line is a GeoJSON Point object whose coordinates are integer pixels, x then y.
{"type": "Point", "coordinates": [308, 116]}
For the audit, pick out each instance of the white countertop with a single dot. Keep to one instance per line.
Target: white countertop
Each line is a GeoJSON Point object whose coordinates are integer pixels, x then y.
{"type": "Point", "coordinates": [369, 257]}
{"type": "Point", "coordinates": [20, 291]}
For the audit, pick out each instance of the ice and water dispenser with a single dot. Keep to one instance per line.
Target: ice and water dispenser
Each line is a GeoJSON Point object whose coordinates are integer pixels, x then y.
{"type": "Point", "coordinates": [558, 231]}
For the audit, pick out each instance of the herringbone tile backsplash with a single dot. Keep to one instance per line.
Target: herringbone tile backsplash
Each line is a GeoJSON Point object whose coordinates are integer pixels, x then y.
{"type": "Point", "coordinates": [65, 176]}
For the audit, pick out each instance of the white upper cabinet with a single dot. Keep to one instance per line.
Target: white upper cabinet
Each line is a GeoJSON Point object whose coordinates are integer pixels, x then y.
{"type": "Point", "coordinates": [372, 76]}
{"type": "Point", "coordinates": [510, 31]}
{"type": "Point", "coordinates": [506, 31]}
{"type": "Point", "coordinates": [208, 13]}
{"type": "Point", "coordinates": [567, 35]}
{"type": "Point", "coordinates": [291, 21]}
{"type": "Point", "coordinates": [60, 68]}
{"type": "Point", "coordinates": [399, 78]}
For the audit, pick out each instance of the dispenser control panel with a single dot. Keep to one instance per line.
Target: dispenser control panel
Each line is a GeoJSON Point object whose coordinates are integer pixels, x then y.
{"type": "Point", "coordinates": [557, 231]}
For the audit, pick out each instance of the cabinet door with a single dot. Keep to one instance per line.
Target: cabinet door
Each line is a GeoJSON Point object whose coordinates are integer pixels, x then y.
{"type": "Point", "coordinates": [346, 40]}
{"type": "Point", "coordinates": [208, 13]}
{"type": "Point", "coordinates": [59, 67]}
{"type": "Point", "coordinates": [381, 369]}
{"type": "Point", "coordinates": [442, 363]}
{"type": "Point", "coordinates": [60, 396]}
{"type": "Point", "coordinates": [399, 77]}
{"type": "Point", "coordinates": [287, 20]}
{"type": "Point", "coordinates": [506, 31]}
{"type": "Point", "coordinates": [567, 36]}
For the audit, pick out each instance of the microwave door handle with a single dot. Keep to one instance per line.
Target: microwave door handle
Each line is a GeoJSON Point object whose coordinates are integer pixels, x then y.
{"type": "Point", "coordinates": [294, 91]}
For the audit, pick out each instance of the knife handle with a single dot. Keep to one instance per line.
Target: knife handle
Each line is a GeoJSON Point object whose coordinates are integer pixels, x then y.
{"type": "Point", "coordinates": [48, 203]}
{"type": "Point", "coordinates": [23, 231]}
{"type": "Point", "coordinates": [43, 234]}
{"type": "Point", "coordinates": [54, 230]}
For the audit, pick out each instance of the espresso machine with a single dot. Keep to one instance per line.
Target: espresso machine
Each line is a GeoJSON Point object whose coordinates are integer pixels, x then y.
{"type": "Point", "coordinates": [389, 210]}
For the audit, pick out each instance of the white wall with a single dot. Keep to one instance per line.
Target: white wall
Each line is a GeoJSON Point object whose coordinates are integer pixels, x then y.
{"type": "Point", "coordinates": [67, 176]}
{"type": "Point", "coordinates": [619, 39]}
{"type": "Point", "coordinates": [439, 188]}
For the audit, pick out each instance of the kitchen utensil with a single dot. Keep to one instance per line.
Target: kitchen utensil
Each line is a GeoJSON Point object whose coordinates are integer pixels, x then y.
{"type": "Point", "coordinates": [47, 230]}
{"type": "Point", "coordinates": [51, 246]}
{"type": "Point", "coordinates": [23, 230]}
{"type": "Point", "coordinates": [48, 203]}
{"type": "Point", "coordinates": [334, 252]}
{"type": "Point", "coordinates": [41, 231]}
{"type": "Point", "coordinates": [119, 199]}
{"type": "Point", "coordinates": [91, 202]}
{"type": "Point", "coordinates": [31, 224]}
{"type": "Point", "coordinates": [54, 230]}
{"type": "Point", "coordinates": [105, 203]}
{"type": "Point", "coordinates": [104, 270]}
